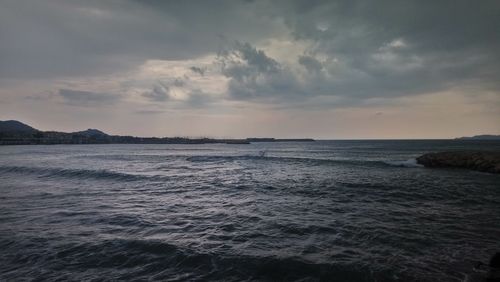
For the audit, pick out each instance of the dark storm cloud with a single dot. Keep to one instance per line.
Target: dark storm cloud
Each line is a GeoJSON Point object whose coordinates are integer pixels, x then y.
{"type": "Point", "coordinates": [53, 38]}
{"type": "Point", "coordinates": [256, 59]}
{"type": "Point", "coordinates": [381, 49]}
{"type": "Point", "coordinates": [87, 98]}
{"type": "Point", "coordinates": [368, 49]}
{"type": "Point", "coordinates": [243, 62]}
{"type": "Point", "coordinates": [254, 75]}
{"type": "Point", "coordinates": [403, 47]}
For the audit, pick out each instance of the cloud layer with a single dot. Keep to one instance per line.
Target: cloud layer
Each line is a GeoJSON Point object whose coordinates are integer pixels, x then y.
{"type": "Point", "coordinates": [216, 57]}
{"type": "Point", "coordinates": [87, 98]}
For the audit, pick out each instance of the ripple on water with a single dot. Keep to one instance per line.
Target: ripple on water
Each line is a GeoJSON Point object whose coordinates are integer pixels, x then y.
{"type": "Point", "coordinates": [349, 211]}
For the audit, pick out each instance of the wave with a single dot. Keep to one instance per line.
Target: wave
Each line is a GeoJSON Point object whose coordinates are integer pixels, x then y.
{"type": "Point", "coordinates": [72, 173]}
{"type": "Point", "coordinates": [265, 158]}
{"type": "Point", "coordinates": [127, 259]}
{"type": "Point", "coordinates": [47, 172]}
{"type": "Point", "coordinates": [318, 161]}
{"type": "Point", "coordinates": [407, 163]}
{"type": "Point", "coordinates": [129, 157]}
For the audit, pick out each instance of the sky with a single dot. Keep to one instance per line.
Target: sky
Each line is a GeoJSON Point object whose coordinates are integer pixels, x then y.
{"type": "Point", "coordinates": [337, 69]}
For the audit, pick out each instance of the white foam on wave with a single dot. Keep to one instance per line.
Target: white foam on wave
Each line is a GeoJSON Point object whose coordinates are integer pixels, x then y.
{"type": "Point", "coordinates": [406, 163]}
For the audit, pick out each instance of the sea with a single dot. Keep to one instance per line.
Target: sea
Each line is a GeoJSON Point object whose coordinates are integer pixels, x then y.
{"type": "Point", "coordinates": [283, 211]}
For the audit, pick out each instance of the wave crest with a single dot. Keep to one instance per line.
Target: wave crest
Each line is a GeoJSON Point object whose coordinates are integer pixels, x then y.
{"type": "Point", "coordinates": [406, 163]}
{"type": "Point", "coordinates": [71, 173]}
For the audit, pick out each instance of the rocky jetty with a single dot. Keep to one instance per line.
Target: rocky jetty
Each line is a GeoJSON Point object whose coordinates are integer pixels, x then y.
{"type": "Point", "coordinates": [486, 161]}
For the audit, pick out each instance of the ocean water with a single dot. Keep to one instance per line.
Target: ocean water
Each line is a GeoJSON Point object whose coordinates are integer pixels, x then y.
{"type": "Point", "coordinates": [318, 211]}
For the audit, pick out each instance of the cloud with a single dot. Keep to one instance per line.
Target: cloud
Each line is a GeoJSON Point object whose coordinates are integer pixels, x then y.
{"type": "Point", "coordinates": [55, 38]}
{"type": "Point", "coordinates": [243, 62]}
{"type": "Point", "coordinates": [254, 75]}
{"type": "Point", "coordinates": [367, 49]}
{"type": "Point", "coordinates": [393, 48]}
{"type": "Point", "coordinates": [150, 112]}
{"type": "Point", "coordinates": [159, 93]}
{"type": "Point", "coordinates": [87, 98]}
{"type": "Point", "coordinates": [288, 56]}
{"type": "Point", "coordinates": [178, 82]}
{"type": "Point", "coordinates": [198, 70]}
{"type": "Point", "coordinates": [397, 43]}
{"type": "Point", "coordinates": [310, 63]}
{"type": "Point", "coordinates": [198, 99]}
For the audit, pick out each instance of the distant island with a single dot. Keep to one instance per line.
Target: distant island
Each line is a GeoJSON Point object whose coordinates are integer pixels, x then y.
{"type": "Point", "coordinates": [480, 137]}
{"type": "Point", "coordinates": [13, 132]}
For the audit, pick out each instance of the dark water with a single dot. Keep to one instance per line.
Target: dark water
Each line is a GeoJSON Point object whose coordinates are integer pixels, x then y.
{"type": "Point", "coordinates": [329, 210]}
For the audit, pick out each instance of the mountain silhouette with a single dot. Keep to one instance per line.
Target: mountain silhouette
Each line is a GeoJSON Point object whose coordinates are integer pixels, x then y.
{"type": "Point", "coordinates": [91, 133]}
{"type": "Point", "coordinates": [16, 126]}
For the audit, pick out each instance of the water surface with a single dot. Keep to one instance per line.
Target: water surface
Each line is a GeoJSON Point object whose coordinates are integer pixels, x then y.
{"type": "Point", "coordinates": [325, 210]}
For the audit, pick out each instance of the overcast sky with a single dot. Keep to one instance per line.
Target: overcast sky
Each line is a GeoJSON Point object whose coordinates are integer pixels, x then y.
{"type": "Point", "coordinates": [321, 69]}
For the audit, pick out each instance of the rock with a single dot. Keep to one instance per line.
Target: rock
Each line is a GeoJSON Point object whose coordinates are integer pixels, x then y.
{"type": "Point", "coordinates": [486, 161]}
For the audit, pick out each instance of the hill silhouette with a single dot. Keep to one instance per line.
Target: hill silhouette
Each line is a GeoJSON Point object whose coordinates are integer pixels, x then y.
{"type": "Point", "coordinates": [17, 133]}
{"type": "Point", "coordinates": [15, 126]}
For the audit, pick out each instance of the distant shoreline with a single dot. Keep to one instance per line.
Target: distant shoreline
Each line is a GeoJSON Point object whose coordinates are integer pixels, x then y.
{"type": "Point", "coordinates": [13, 132]}
{"type": "Point", "coordinates": [201, 141]}
{"type": "Point", "coordinates": [140, 140]}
